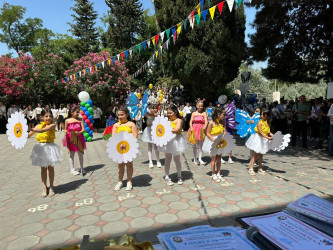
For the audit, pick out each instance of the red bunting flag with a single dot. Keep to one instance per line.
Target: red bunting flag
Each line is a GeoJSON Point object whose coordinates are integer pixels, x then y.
{"type": "Point", "coordinates": [122, 55]}
{"type": "Point", "coordinates": [156, 38]}
{"type": "Point", "coordinates": [192, 15]}
{"type": "Point", "coordinates": [220, 6]}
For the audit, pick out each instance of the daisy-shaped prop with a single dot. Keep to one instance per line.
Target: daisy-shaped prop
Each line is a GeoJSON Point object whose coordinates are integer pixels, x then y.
{"type": "Point", "coordinates": [279, 141]}
{"type": "Point", "coordinates": [223, 144]}
{"type": "Point", "coordinates": [246, 124]}
{"type": "Point", "coordinates": [17, 130]}
{"type": "Point", "coordinates": [122, 147]}
{"type": "Point", "coordinates": [161, 131]}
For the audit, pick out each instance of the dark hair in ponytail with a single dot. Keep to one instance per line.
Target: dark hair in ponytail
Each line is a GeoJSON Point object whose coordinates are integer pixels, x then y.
{"type": "Point", "coordinates": [174, 109]}
{"type": "Point", "coordinates": [126, 111]}
{"type": "Point", "coordinates": [217, 111]}
{"type": "Point", "coordinates": [72, 110]}
{"type": "Point", "coordinates": [267, 113]}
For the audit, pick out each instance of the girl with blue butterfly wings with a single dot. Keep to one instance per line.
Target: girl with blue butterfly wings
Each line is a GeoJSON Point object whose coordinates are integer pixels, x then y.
{"type": "Point", "coordinates": [133, 104]}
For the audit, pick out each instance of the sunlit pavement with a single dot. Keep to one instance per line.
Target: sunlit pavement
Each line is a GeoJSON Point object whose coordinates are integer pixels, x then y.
{"type": "Point", "coordinates": [89, 206]}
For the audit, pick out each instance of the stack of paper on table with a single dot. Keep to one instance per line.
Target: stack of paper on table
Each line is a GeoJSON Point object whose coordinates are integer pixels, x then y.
{"type": "Point", "coordinates": [287, 229]}
{"type": "Point", "coordinates": [204, 238]}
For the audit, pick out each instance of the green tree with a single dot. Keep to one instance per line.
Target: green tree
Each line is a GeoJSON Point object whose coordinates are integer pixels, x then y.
{"type": "Point", "coordinates": [18, 34]}
{"type": "Point", "coordinates": [206, 58]}
{"type": "Point", "coordinates": [296, 39]}
{"type": "Point", "coordinates": [83, 27]}
{"type": "Point", "coordinates": [125, 19]}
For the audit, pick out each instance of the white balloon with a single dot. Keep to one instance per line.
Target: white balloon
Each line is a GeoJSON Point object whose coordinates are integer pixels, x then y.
{"type": "Point", "coordinates": [222, 99]}
{"type": "Point", "coordinates": [84, 96]}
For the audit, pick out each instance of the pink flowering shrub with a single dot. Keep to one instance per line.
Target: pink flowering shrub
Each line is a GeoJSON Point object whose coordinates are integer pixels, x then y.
{"type": "Point", "coordinates": [101, 83]}
{"type": "Point", "coordinates": [14, 75]}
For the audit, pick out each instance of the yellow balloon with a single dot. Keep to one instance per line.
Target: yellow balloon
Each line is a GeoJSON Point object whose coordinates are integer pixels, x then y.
{"type": "Point", "coordinates": [160, 91]}
{"type": "Point", "coordinates": [150, 86]}
{"type": "Point", "coordinates": [138, 95]}
{"type": "Point", "coordinates": [181, 113]}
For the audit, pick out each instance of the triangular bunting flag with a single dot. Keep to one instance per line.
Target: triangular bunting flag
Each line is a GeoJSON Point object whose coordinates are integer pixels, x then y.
{"type": "Point", "coordinates": [220, 6]}
{"type": "Point", "coordinates": [144, 45]}
{"type": "Point", "coordinates": [80, 73]}
{"type": "Point", "coordinates": [198, 9]}
{"type": "Point", "coordinates": [103, 65]}
{"type": "Point", "coordinates": [212, 11]}
{"type": "Point", "coordinates": [112, 60]}
{"type": "Point", "coordinates": [118, 56]}
{"type": "Point", "coordinates": [76, 75]}
{"type": "Point", "coordinates": [197, 17]}
{"type": "Point", "coordinates": [139, 47]}
{"type": "Point", "coordinates": [156, 54]}
{"type": "Point", "coordinates": [230, 4]}
{"type": "Point", "coordinates": [191, 21]}
{"type": "Point", "coordinates": [208, 3]}
{"type": "Point", "coordinates": [162, 36]}
{"type": "Point", "coordinates": [122, 56]}
{"type": "Point", "coordinates": [192, 15]}
{"type": "Point", "coordinates": [185, 23]}
{"type": "Point", "coordinates": [130, 51]}
{"type": "Point", "coordinates": [179, 28]}
{"type": "Point", "coordinates": [204, 15]}
{"type": "Point", "coordinates": [239, 2]}
{"type": "Point", "coordinates": [173, 31]}
{"type": "Point", "coordinates": [167, 33]}
{"type": "Point", "coordinates": [153, 40]}
{"type": "Point", "coordinates": [156, 38]}
{"type": "Point", "coordinates": [202, 3]}
{"type": "Point", "coordinates": [133, 49]}
{"type": "Point", "coordinates": [126, 54]}
{"type": "Point", "coordinates": [148, 43]}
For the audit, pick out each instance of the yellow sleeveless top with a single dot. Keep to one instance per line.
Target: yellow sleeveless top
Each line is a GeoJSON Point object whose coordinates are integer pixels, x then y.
{"type": "Point", "coordinates": [124, 129]}
{"type": "Point", "coordinates": [264, 127]}
{"type": "Point", "coordinates": [173, 125]}
{"type": "Point", "coordinates": [217, 129]}
{"type": "Point", "coordinates": [45, 137]}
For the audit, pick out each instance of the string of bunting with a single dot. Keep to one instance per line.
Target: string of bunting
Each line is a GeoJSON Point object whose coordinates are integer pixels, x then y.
{"type": "Point", "coordinates": [175, 31]}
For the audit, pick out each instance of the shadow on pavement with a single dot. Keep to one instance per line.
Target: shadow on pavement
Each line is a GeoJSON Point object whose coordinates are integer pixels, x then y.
{"type": "Point", "coordinates": [70, 186]}
{"type": "Point", "coordinates": [142, 180]}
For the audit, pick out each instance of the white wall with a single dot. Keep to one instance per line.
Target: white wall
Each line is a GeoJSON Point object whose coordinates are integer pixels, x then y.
{"type": "Point", "coordinates": [330, 90]}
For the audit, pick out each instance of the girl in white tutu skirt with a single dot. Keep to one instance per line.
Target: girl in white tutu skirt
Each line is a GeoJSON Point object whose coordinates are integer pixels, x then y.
{"type": "Point", "coordinates": [258, 142]}
{"type": "Point", "coordinates": [176, 146]}
{"type": "Point", "coordinates": [146, 137]}
{"type": "Point", "coordinates": [215, 127]}
{"type": "Point", "coordinates": [46, 153]}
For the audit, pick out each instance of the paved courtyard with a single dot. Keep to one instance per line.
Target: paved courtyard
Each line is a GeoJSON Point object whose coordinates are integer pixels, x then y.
{"type": "Point", "coordinates": [88, 205]}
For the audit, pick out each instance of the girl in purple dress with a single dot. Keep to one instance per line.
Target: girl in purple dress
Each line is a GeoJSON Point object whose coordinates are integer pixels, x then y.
{"type": "Point", "coordinates": [74, 139]}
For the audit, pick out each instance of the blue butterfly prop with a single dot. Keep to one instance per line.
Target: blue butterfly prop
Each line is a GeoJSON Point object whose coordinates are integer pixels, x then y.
{"type": "Point", "coordinates": [133, 104]}
{"type": "Point", "coordinates": [243, 127]}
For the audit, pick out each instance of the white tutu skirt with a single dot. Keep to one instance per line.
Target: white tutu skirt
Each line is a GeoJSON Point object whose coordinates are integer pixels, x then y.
{"type": "Point", "coordinates": [257, 143]}
{"type": "Point", "coordinates": [146, 137]}
{"type": "Point", "coordinates": [46, 154]}
{"type": "Point", "coordinates": [207, 144]}
{"type": "Point", "coordinates": [176, 146]}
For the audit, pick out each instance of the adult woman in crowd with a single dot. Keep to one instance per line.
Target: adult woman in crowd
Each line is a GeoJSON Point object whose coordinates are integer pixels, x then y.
{"type": "Point", "coordinates": [55, 112]}
{"type": "Point", "coordinates": [61, 117]}
{"type": "Point", "coordinates": [30, 113]}
{"type": "Point", "coordinates": [38, 110]}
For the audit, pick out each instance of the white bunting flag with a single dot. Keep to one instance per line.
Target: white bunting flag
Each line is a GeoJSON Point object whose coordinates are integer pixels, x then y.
{"type": "Point", "coordinates": [162, 36]}
{"type": "Point", "coordinates": [230, 4]}
{"type": "Point", "coordinates": [118, 56]}
{"type": "Point", "coordinates": [103, 64]}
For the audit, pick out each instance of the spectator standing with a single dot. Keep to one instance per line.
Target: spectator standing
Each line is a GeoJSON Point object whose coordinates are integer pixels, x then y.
{"type": "Point", "coordinates": [248, 108]}
{"type": "Point", "coordinates": [97, 117]}
{"type": "Point", "coordinates": [61, 117]}
{"type": "Point", "coordinates": [55, 113]}
{"type": "Point", "coordinates": [30, 113]}
{"type": "Point", "coordinates": [3, 118]}
{"type": "Point", "coordinates": [187, 115]}
{"type": "Point", "coordinates": [38, 111]}
{"type": "Point", "coordinates": [301, 111]}
{"type": "Point", "coordinates": [12, 109]}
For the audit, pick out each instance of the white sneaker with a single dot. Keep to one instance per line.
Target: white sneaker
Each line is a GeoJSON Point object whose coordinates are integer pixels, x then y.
{"type": "Point", "coordinates": [195, 161]}
{"type": "Point", "coordinates": [159, 165]}
{"type": "Point", "coordinates": [151, 165]}
{"type": "Point", "coordinates": [180, 181]}
{"type": "Point", "coordinates": [215, 178]}
{"type": "Point", "coordinates": [220, 177]}
{"type": "Point", "coordinates": [74, 172]}
{"type": "Point", "coordinates": [222, 161]}
{"type": "Point", "coordinates": [118, 186]}
{"type": "Point", "coordinates": [168, 181]}
{"type": "Point", "coordinates": [129, 186]}
{"type": "Point", "coordinates": [202, 162]}
{"type": "Point", "coordinates": [255, 164]}
{"type": "Point", "coordinates": [230, 161]}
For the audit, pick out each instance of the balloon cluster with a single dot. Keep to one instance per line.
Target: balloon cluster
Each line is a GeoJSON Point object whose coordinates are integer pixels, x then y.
{"type": "Point", "coordinates": [87, 113]}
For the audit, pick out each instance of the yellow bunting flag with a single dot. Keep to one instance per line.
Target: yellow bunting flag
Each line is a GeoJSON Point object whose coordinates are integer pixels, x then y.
{"type": "Point", "coordinates": [198, 9]}
{"type": "Point", "coordinates": [156, 54]}
{"type": "Point", "coordinates": [212, 11]}
{"type": "Point", "coordinates": [109, 62]}
{"type": "Point", "coordinates": [179, 28]}
{"type": "Point", "coordinates": [153, 39]}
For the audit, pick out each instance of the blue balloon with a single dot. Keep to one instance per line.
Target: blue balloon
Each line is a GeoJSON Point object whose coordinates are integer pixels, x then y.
{"type": "Point", "coordinates": [92, 121]}
{"type": "Point", "coordinates": [87, 129]}
{"type": "Point", "coordinates": [89, 102]}
{"type": "Point", "coordinates": [92, 136]}
{"type": "Point", "coordinates": [85, 109]}
{"type": "Point", "coordinates": [85, 124]}
{"type": "Point", "coordinates": [90, 117]}
{"type": "Point", "coordinates": [85, 139]}
{"type": "Point", "coordinates": [90, 133]}
{"type": "Point", "coordinates": [87, 113]}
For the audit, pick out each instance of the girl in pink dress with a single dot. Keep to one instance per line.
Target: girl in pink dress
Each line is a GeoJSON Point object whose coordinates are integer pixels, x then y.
{"type": "Point", "coordinates": [197, 123]}
{"type": "Point", "coordinates": [74, 127]}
